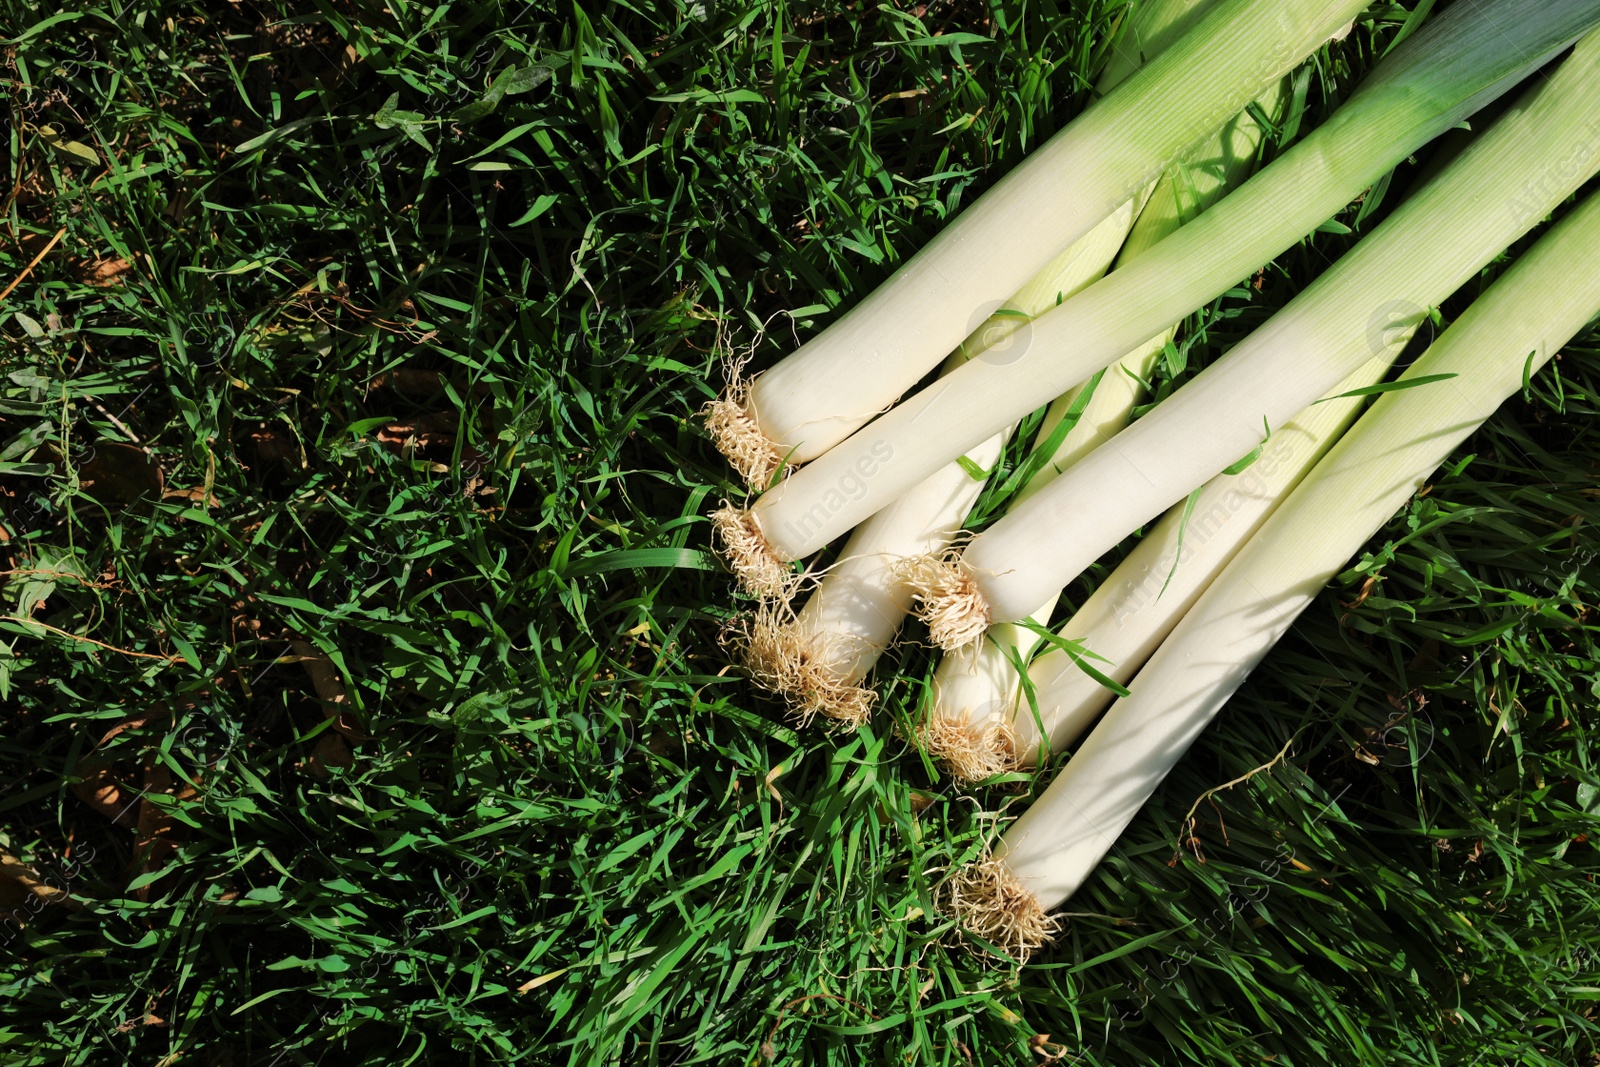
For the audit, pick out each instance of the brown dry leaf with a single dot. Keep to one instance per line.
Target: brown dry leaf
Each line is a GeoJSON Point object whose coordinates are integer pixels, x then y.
{"type": "Point", "coordinates": [350, 58]}
{"type": "Point", "coordinates": [14, 898]}
{"type": "Point", "coordinates": [324, 678]}
{"type": "Point", "coordinates": [1361, 597]}
{"type": "Point", "coordinates": [101, 790]}
{"type": "Point", "coordinates": [272, 445]}
{"type": "Point", "coordinates": [29, 243]}
{"type": "Point", "coordinates": [333, 749]}
{"type": "Point", "coordinates": [477, 487]}
{"type": "Point", "coordinates": [432, 432]}
{"type": "Point", "coordinates": [409, 381]}
{"type": "Point", "coordinates": [136, 722]}
{"type": "Point", "coordinates": [347, 725]}
{"type": "Point", "coordinates": [155, 825]}
{"type": "Point", "coordinates": [156, 836]}
{"type": "Point", "coordinates": [1427, 657]}
{"type": "Point", "coordinates": [196, 495]}
{"type": "Point", "coordinates": [30, 880]}
{"type": "Point", "coordinates": [330, 751]}
{"type": "Point", "coordinates": [103, 273]}
{"type": "Point", "coordinates": [1048, 1051]}
{"type": "Point", "coordinates": [328, 71]}
{"type": "Point", "coordinates": [433, 438]}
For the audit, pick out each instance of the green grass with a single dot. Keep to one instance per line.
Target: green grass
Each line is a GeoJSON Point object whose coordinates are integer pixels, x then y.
{"type": "Point", "coordinates": [410, 309]}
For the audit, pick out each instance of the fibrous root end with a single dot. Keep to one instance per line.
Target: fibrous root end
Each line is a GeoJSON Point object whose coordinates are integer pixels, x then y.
{"type": "Point", "coordinates": [971, 751]}
{"type": "Point", "coordinates": [757, 567]}
{"type": "Point", "coordinates": [738, 436]}
{"type": "Point", "coordinates": [949, 599]}
{"type": "Point", "coordinates": [785, 660]}
{"type": "Point", "coordinates": [991, 902]}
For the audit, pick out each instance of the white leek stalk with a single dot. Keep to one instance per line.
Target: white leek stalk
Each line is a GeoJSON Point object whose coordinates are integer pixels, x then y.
{"type": "Point", "coordinates": [975, 688]}
{"type": "Point", "coordinates": [860, 365]}
{"type": "Point", "coordinates": [817, 660]}
{"type": "Point", "coordinates": [1462, 60]}
{"type": "Point", "coordinates": [1535, 156]}
{"type": "Point", "coordinates": [1539, 304]}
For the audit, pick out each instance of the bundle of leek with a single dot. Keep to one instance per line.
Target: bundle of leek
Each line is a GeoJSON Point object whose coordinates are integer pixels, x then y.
{"type": "Point", "coordinates": [976, 686]}
{"type": "Point", "coordinates": [817, 659]}
{"type": "Point", "coordinates": [1534, 157]}
{"type": "Point", "coordinates": [1134, 609]}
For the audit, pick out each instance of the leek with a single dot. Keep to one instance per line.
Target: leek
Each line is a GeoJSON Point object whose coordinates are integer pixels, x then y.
{"type": "Point", "coordinates": [1149, 592]}
{"type": "Point", "coordinates": [817, 659]}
